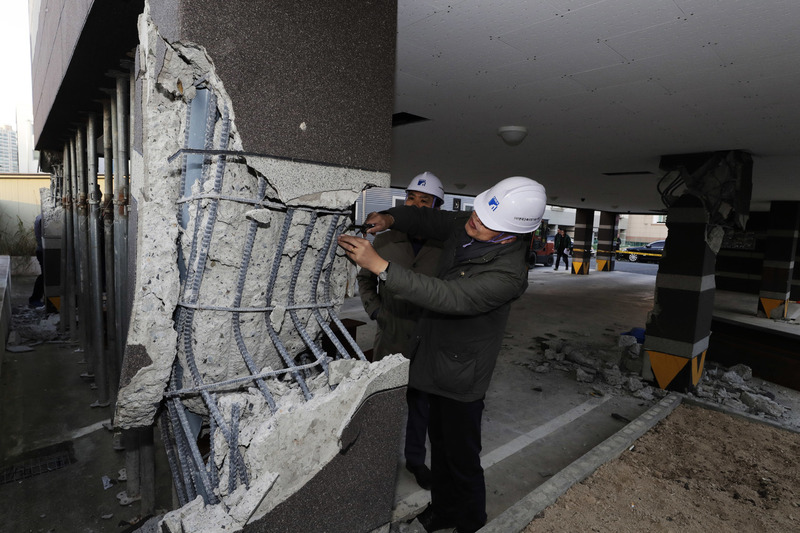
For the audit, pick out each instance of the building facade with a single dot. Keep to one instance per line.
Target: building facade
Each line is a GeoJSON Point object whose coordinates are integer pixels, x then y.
{"type": "Point", "coordinates": [8, 150]}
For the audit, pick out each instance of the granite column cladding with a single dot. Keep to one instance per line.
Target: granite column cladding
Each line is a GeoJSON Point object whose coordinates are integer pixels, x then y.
{"type": "Point", "coordinates": [606, 241]}
{"type": "Point", "coordinates": [309, 80]}
{"type": "Point", "coordinates": [582, 242]}
{"type": "Point", "coordinates": [679, 326]}
{"type": "Point", "coordinates": [740, 259]}
{"type": "Point", "coordinates": [779, 259]}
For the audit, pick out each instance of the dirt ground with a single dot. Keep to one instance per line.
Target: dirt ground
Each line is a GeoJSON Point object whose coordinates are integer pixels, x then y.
{"type": "Point", "coordinates": [698, 470]}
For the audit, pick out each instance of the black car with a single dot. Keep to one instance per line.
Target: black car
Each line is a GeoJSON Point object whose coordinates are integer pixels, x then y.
{"type": "Point", "coordinates": [648, 252]}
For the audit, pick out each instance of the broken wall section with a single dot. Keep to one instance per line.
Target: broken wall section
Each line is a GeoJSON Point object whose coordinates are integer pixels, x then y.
{"type": "Point", "coordinates": [231, 194]}
{"type": "Point", "coordinates": [238, 278]}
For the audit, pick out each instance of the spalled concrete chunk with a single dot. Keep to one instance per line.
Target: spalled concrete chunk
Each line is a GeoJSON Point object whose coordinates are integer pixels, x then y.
{"type": "Point", "coordinates": [284, 451]}
{"type": "Point", "coordinates": [761, 404]}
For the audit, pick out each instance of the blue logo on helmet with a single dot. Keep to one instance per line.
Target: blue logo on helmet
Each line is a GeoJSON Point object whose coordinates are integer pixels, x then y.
{"type": "Point", "coordinates": [422, 182]}
{"type": "Point", "coordinates": [493, 203]}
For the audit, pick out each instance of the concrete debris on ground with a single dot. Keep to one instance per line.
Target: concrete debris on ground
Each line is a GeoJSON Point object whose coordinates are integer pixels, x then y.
{"type": "Point", "coordinates": [32, 326]}
{"type": "Point", "coordinates": [732, 387]}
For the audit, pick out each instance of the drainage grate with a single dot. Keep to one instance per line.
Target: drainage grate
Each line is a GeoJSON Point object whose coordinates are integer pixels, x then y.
{"type": "Point", "coordinates": [39, 462]}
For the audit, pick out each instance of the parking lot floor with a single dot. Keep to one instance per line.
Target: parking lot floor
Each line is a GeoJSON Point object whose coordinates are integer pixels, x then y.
{"type": "Point", "coordinates": [536, 425]}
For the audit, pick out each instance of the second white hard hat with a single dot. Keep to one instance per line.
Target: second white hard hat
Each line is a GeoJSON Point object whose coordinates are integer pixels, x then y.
{"type": "Point", "coordinates": [427, 183]}
{"type": "Point", "coordinates": [514, 205]}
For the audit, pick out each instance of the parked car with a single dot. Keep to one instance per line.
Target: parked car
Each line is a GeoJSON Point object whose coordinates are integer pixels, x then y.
{"type": "Point", "coordinates": [648, 252]}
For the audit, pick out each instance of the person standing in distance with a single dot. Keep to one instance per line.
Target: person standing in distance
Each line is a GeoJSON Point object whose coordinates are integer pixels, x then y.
{"type": "Point", "coordinates": [457, 340]}
{"type": "Point", "coordinates": [562, 242]}
{"type": "Point", "coordinates": [35, 300]}
{"type": "Point", "coordinates": [397, 318]}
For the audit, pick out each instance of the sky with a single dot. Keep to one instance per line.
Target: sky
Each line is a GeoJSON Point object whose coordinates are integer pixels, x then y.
{"type": "Point", "coordinates": [15, 61]}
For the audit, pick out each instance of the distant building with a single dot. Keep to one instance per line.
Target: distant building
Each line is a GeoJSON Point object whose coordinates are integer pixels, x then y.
{"type": "Point", "coordinates": [27, 156]}
{"type": "Point", "coordinates": [8, 150]}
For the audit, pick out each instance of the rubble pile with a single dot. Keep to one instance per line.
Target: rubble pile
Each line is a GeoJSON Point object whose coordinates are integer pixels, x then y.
{"type": "Point", "coordinates": [30, 327]}
{"type": "Point", "coordinates": [620, 372]}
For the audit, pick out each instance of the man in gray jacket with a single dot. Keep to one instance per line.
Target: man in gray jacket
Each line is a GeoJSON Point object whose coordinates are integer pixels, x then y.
{"type": "Point", "coordinates": [397, 317]}
{"type": "Point", "coordinates": [458, 338]}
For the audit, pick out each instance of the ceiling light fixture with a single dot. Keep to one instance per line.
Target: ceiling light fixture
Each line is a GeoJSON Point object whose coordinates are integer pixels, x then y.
{"type": "Point", "coordinates": [512, 135]}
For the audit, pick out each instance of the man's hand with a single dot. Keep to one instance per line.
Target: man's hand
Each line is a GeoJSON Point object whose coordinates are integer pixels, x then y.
{"type": "Point", "coordinates": [361, 252]}
{"type": "Point", "coordinates": [380, 222]}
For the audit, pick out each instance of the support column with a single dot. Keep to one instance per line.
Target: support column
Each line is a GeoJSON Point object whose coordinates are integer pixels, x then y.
{"type": "Point", "coordinates": [582, 242]}
{"type": "Point", "coordinates": [121, 187]}
{"type": "Point", "coordinates": [70, 280]}
{"type": "Point", "coordinates": [606, 241]}
{"type": "Point", "coordinates": [107, 217]}
{"type": "Point", "coordinates": [778, 268]}
{"type": "Point", "coordinates": [112, 175]}
{"type": "Point", "coordinates": [679, 326]}
{"type": "Point", "coordinates": [95, 304]}
{"type": "Point", "coordinates": [66, 216]}
{"type": "Point", "coordinates": [82, 251]}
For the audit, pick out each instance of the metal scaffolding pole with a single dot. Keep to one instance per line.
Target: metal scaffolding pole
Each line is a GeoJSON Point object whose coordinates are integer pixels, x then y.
{"type": "Point", "coordinates": [130, 437]}
{"type": "Point", "coordinates": [121, 185]}
{"type": "Point", "coordinates": [64, 309]}
{"type": "Point", "coordinates": [102, 370]}
{"type": "Point", "coordinates": [81, 250]}
{"type": "Point", "coordinates": [111, 254]}
{"type": "Point", "coordinates": [113, 357]}
{"type": "Point", "coordinates": [69, 279]}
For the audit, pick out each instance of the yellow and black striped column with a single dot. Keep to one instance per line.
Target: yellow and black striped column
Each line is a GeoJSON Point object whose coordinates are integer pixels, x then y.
{"type": "Point", "coordinates": [679, 326]}
{"type": "Point", "coordinates": [582, 242]}
{"type": "Point", "coordinates": [606, 237]}
{"type": "Point", "coordinates": [779, 258]}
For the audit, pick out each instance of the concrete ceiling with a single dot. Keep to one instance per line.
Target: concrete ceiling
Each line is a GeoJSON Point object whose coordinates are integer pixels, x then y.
{"type": "Point", "coordinates": [603, 86]}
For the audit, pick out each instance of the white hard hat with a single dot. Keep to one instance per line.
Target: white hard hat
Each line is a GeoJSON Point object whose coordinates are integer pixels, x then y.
{"type": "Point", "coordinates": [514, 205]}
{"type": "Point", "coordinates": [427, 183]}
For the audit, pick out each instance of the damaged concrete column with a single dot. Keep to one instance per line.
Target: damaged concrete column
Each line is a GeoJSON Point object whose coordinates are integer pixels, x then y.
{"type": "Point", "coordinates": [679, 326]}
{"type": "Point", "coordinates": [779, 259]}
{"type": "Point", "coordinates": [249, 149]}
{"type": "Point", "coordinates": [716, 199]}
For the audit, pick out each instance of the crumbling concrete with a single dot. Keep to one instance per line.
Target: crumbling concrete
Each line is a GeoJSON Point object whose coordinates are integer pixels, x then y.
{"type": "Point", "coordinates": [237, 273]}
{"type": "Point", "coordinates": [732, 387]}
{"type": "Point", "coordinates": [285, 451]}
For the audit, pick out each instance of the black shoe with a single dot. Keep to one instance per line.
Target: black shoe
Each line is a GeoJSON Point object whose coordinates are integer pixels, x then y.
{"type": "Point", "coordinates": [422, 474]}
{"type": "Point", "coordinates": [432, 522]}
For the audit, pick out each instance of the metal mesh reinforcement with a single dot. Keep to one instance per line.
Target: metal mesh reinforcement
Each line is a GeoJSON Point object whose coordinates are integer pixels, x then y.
{"type": "Point", "coordinates": [193, 471]}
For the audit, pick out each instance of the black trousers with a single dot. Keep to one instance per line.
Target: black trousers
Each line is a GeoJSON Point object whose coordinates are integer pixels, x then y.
{"type": "Point", "coordinates": [416, 426]}
{"type": "Point", "coordinates": [38, 285]}
{"type": "Point", "coordinates": [458, 493]}
{"type": "Point", "coordinates": [559, 255]}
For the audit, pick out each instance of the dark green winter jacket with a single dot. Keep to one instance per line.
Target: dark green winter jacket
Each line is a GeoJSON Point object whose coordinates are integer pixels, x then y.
{"type": "Point", "coordinates": [457, 340]}
{"type": "Point", "coordinates": [396, 318]}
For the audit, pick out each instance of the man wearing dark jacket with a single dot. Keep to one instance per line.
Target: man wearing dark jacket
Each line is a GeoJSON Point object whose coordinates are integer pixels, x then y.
{"type": "Point", "coordinates": [562, 243]}
{"type": "Point", "coordinates": [397, 318]}
{"type": "Point", "coordinates": [457, 341]}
